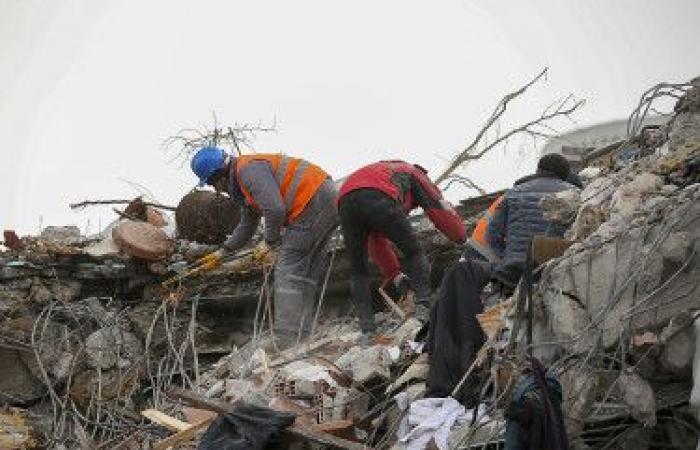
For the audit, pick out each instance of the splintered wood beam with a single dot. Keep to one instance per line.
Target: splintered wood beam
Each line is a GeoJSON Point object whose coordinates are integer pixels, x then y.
{"type": "Point", "coordinates": [165, 420]}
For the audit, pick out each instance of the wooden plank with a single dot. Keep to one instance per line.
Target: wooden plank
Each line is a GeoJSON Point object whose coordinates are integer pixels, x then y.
{"type": "Point", "coordinates": [392, 305]}
{"type": "Point", "coordinates": [182, 436]}
{"type": "Point", "coordinates": [294, 430]}
{"type": "Point", "coordinates": [165, 420]}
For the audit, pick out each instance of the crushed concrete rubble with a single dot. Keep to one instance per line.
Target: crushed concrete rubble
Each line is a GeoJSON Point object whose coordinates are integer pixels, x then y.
{"type": "Point", "coordinates": [90, 337]}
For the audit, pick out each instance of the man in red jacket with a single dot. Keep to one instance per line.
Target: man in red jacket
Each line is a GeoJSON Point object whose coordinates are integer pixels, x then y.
{"type": "Point", "coordinates": [373, 204]}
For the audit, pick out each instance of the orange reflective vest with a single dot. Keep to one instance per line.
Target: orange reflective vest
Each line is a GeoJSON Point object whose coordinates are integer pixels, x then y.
{"type": "Point", "coordinates": [297, 179]}
{"type": "Point", "coordinates": [478, 239]}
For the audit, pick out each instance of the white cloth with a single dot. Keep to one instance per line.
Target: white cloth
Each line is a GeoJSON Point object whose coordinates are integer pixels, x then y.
{"type": "Point", "coordinates": [432, 418]}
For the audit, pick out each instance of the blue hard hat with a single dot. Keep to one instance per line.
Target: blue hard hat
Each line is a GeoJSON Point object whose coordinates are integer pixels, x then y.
{"type": "Point", "coordinates": [206, 162]}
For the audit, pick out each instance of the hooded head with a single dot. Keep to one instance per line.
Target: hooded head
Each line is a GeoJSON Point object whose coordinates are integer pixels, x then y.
{"type": "Point", "coordinates": [555, 164]}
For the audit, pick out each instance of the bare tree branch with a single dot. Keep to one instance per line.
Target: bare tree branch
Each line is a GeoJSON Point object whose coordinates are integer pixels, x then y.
{"type": "Point", "coordinates": [540, 127]}
{"type": "Point", "coordinates": [652, 95]}
{"type": "Point", "coordinates": [86, 203]}
{"type": "Point", "coordinates": [454, 178]}
{"type": "Point", "coordinates": [237, 137]}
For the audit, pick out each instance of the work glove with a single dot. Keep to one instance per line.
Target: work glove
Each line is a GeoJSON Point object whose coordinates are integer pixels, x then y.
{"type": "Point", "coordinates": [212, 260]}
{"type": "Point", "coordinates": [264, 253]}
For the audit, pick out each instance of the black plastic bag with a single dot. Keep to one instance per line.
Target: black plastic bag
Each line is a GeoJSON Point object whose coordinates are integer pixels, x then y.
{"type": "Point", "coordinates": [248, 427]}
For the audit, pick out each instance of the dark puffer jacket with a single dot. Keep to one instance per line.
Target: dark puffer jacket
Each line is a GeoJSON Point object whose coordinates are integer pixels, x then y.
{"type": "Point", "coordinates": [519, 218]}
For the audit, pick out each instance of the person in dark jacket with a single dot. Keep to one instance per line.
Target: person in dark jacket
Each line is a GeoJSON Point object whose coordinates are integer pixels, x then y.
{"type": "Point", "coordinates": [373, 205]}
{"type": "Point", "coordinates": [518, 217]}
{"type": "Point", "coordinates": [454, 330]}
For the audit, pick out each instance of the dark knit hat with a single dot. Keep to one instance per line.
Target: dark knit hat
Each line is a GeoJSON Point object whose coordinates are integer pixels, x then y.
{"type": "Point", "coordinates": [555, 164]}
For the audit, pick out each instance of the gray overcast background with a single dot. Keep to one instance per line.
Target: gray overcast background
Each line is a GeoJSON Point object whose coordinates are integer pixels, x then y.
{"type": "Point", "coordinates": [90, 89]}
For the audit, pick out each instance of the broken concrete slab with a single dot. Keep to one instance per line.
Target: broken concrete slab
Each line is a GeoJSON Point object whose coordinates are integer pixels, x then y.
{"type": "Point", "coordinates": [366, 364]}
{"type": "Point", "coordinates": [65, 235]}
{"type": "Point", "coordinates": [112, 347]}
{"type": "Point", "coordinates": [638, 395]}
{"type": "Point", "coordinates": [626, 279]}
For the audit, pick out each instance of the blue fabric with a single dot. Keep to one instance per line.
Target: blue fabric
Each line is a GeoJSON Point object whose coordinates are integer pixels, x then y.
{"type": "Point", "coordinates": [518, 435]}
{"type": "Point", "coordinates": [519, 218]}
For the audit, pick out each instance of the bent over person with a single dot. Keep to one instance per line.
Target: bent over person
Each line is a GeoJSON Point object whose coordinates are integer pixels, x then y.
{"type": "Point", "coordinates": [373, 205]}
{"type": "Point", "coordinates": [292, 195]}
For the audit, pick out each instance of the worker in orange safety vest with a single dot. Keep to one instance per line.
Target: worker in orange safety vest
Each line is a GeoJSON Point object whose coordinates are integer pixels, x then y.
{"type": "Point", "coordinates": [293, 195]}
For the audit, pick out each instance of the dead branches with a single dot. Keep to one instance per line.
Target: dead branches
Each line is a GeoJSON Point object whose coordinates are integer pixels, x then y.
{"type": "Point", "coordinates": [540, 127]}
{"type": "Point", "coordinates": [237, 137]}
{"type": "Point", "coordinates": [467, 182]}
{"type": "Point", "coordinates": [86, 203]}
{"type": "Point", "coordinates": [652, 95]}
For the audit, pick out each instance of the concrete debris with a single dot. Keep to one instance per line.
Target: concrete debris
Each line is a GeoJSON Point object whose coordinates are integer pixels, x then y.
{"type": "Point", "coordinates": [141, 240]}
{"type": "Point", "coordinates": [638, 395]}
{"type": "Point", "coordinates": [561, 207]}
{"type": "Point", "coordinates": [62, 235]}
{"type": "Point", "coordinates": [112, 347]}
{"type": "Point", "coordinates": [366, 364]}
{"type": "Point", "coordinates": [88, 332]}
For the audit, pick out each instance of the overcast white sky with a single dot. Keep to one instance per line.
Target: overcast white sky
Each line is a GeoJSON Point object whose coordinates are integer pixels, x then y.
{"type": "Point", "coordinates": [90, 89]}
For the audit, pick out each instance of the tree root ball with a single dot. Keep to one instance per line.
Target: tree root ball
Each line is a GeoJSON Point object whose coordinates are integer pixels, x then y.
{"type": "Point", "coordinates": [205, 217]}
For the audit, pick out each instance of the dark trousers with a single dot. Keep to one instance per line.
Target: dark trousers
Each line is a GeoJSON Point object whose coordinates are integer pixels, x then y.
{"type": "Point", "coordinates": [369, 210]}
{"type": "Point", "coordinates": [455, 336]}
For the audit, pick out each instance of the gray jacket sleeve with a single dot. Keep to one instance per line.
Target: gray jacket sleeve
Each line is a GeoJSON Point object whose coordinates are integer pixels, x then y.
{"type": "Point", "coordinates": [258, 179]}
{"type": "Point", "coordinates": [250, 219]}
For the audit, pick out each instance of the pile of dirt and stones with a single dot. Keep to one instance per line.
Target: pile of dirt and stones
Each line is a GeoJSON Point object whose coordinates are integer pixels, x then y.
{"type": "Point", "coordinates": [97, 353]}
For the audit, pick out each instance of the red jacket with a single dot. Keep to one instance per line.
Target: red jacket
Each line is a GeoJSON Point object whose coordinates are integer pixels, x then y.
{"type": "Point", "coordinates": [409, 186]}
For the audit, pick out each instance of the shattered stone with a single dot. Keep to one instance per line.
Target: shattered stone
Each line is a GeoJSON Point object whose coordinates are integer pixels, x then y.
{"type": "Point", "coordinates": [677, 354]}
{"type": "Point", "coordinates": [628, 198]}
{"type": "Point", "coordinates": [66, 235]}
{"type": "Point", "coordinates": [17, 383]}
{"type": "Point", "coordinates": [104, 247]}
{"type": "Point", "coordinates": [112, 347]}
{"type": "Point", "coordinates": [104, 384]}
{"type": "Point", "coordinates": [589, 173]}
{"type": "Point", "coordinates": [366, 364]}
{"type": "Point", "coordinates": [588, 219]}
{"type": "Point", "coordinates": [245, 391]}
{"type": "Point", "coordinates": [599, 191]}
{"type": "Point", "coordinates": [579, 386]}
{"type": "Point", "coordinates": [561, 207]}
{"type": "Point", "coordinates": [639, 397]}
{"type": "Point", "coordinates": [677, 247]}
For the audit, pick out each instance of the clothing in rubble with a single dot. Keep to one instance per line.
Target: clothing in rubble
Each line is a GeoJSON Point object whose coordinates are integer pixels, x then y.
{"type": "Point", "coordinates": [296, 196]}
{"type": "Point", "coordinates": [248, 427]}
{"type": "Point", "coordinates": [373, 204]}
{"type": "Point", "coordinates": [454, 335]}
{"type": "Point", "coordinates": [535, 419]}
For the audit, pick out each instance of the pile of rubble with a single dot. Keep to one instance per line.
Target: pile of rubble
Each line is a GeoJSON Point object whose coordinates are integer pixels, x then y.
{"type": "Point", "coordinates": [613, 314]}
{"type": "Point", "coordinates": [93, 345]}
